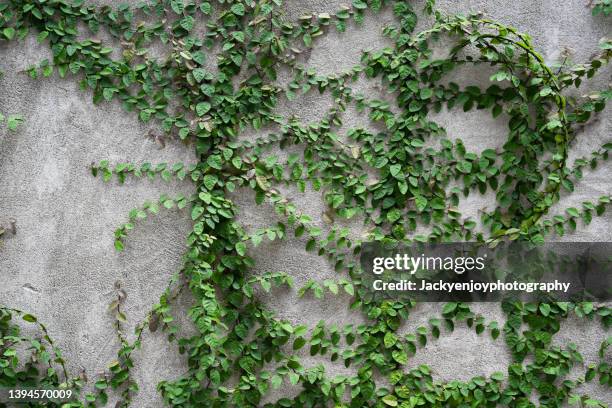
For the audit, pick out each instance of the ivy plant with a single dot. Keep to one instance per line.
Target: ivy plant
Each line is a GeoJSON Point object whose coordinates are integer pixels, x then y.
{"type": "Point", "coordinates": [409, 174]}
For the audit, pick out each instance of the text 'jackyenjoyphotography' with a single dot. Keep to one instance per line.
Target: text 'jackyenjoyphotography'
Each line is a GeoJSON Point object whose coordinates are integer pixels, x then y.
{"type": "Point", "coordinates": [476, 272]}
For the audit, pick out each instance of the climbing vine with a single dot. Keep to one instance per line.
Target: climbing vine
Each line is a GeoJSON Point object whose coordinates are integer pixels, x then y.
{"type": "Point", "coordinates": [408, 175]}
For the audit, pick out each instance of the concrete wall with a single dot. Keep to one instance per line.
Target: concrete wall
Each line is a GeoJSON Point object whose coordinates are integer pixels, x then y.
{"type": "Point", "coordinates": [61, 265]}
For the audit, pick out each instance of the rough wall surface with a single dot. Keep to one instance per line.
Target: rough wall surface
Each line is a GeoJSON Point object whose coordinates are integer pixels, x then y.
{"type": "Point", "coordinates": [61, 265]}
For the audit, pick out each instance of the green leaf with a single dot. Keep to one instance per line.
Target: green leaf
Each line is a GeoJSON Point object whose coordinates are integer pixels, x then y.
{"type": "Point", "coordinates": [199, 74]}
{"type": "Point", "coordinates": [215, 161]}
{"type": "Point", "coordinates": [332, 286]}
{"type": "Point", "coordinates": [310, 244]}
{"type": "Point", "coordinates": [590, 374]}
{"type": "Point", "coordinates": [420, 203]}
{"type": "Point", "coordinates": [360, 4]}
{"type": "Point", "coordinates": [29, 318]}
{"type": "Point", "coordinates": [426, 93]}
{"type": "Point", "coordinates": [567, 184]}
{"type": "Point", "coordinates": [196, 212]}
{"type": "Point", "coordinates": [238, 9]}
{"type": "Point", "coordinates": [187, 23]}
{"type": "Point", "coordinates": [9, 33]}
{"type": "Point", "coordinates": [337, 200]}
{"type": "Point", "coordinates": [449, 308]}
{"type": "Point", "coordinates": [497, 110]}
{"type": "Point", "coordinates": [390, 339]}
{"type": "Point", "coordinates": [241, 248]}
{"type": "Point", "coordinates": [400, 356]}
{"type": "Point", "coordinates": [210, 181]}
{"type": "Point", "coordinates": [205, 8]}
{"type": "Point", "coordinates": [177, 6]}
{"type": "Point", "coordinates": [202, 108]}
{"type": "Point", "coordinates": [573, 212]}
{"type": "Point", "coordinates": [276, 381]}
{"type": "Point", "coordinates": [545, 309]}
{"type": "Point", "coordinates": [298, 343]}
{"type": "Point", "coordinates": [13, 121]}
{"type": "Point", "coordinates": [394, 215]}
{"type": "Point", "coordinates": [238, 36]}
{"type": "Point", "coordinates": [395, 170]}
{"type": "Point", "coordinates": [417, 143]}
{"type": "Point", "coordinates": [307, 38]}
{"type": "Point", "coordinates": [390, 400]}
{"type": "Point", "coordinates": [294, 378]}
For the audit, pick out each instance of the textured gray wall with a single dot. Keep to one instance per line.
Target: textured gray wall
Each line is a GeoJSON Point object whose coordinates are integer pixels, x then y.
{"type": "Point", "coordinates": [61, 264]}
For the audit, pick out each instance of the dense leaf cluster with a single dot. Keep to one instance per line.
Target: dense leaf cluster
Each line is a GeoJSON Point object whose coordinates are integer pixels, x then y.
{"type": "Point", "coordinates": [407, 175]}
